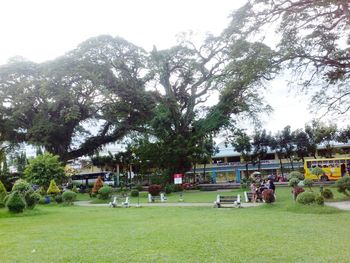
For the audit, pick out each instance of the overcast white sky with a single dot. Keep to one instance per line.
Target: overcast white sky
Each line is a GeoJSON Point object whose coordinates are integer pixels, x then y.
{"type": "Point", "coordinates": [41, 30]}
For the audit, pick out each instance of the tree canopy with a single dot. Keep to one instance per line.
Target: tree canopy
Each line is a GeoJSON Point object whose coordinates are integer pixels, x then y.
{"type": "Point", "coordinates": [112, 85]}
{"type": "Point", "coordinates": [54, 104]}
{"type": "Point", "coordinates": [312, 38]}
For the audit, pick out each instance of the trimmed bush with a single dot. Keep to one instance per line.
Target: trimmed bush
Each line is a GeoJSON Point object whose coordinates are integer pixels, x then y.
{"type": "Point", "coordinates": [306, 198]}
{"type": "Point", "coordinates": [169, 188]}
{"type": "Point", "coordinates": [327, 194]}
{"type": "Point", "coordinates": [139, 187]}
{"type": "Point", "coordinates": [75, 189]}
{"type": "Point", "coordinates": [58, 199]}
{"type": "Point", "coordinates": [21, 186]}
{"type": "Point", "coordinates": [268, 196]}
{"type": "Point", "coordinates": [3, 193]}
{"type": "Point", "coordinates": [15, 203]}
{"type": "Point", "coordinates": [69, 197]}
{"type": "Point", "coordinates": [317, 171]}
{"type": "Point", "coordinates": [42, 201]}
{"type": "Point", "coordinates": [97, 185]}
{"type": "Point", "coordinates": [31, 199]}
{"type": "Point", "coordinates": [154, 189]}
{"type": "Point", "coordinates": [47, 199]}
{"type": "Point", "coordinates": [293, 182]}
{"type": "Point", "coordinates": [295, 174]}
{"type": "Point", "coordinates": [104, 192]}
{"type": "Point", "coordinates": [53, 189]}
{"type": "Point", "coordinates": [343, 185]}
{"type": "Point", "coordinates": [319, 200]}
{"type": "Point", "coordinates": [308, 183]}
{"type": "Point", "coordinates": [42, 191]}
{"type": "Point", "coordinates": [134, 193]}
{"type": "Point", "coordinates": [43, 169]}
{"type": "Point", "coordinates": [296, 191]}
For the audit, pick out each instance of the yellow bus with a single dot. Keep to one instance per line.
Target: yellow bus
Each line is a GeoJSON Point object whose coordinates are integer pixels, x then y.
{"type": "Point", "coordinates": [333, 168]}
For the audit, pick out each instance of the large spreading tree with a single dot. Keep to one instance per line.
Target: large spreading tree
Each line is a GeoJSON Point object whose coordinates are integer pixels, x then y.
{"type": "Point", "coordinates": [203, 89]}
{"type": "Point", "coordinates": [179, 97]}
{"type": "Point", "coordinates": [99, 86]}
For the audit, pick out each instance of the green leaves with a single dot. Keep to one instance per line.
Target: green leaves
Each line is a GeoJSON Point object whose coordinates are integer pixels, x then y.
{"type": "Point", "coordinates": [43, 169]}
{"type": "Point", "coordinates": [311, 38]}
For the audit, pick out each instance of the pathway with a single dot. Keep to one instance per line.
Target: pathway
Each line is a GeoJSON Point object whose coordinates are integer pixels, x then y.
{"type": "Point", "coordinates": [244, 205]}
{"type": "Point", "coordinates": [345, 205]}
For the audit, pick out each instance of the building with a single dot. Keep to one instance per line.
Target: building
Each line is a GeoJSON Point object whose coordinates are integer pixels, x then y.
{"type": "Point", "coordinates": [226, 165]}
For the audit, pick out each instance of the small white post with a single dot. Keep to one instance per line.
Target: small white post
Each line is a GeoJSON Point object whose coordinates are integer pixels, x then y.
{"type": "Point", "coordinates": [246, 197]}
{"type": "Point", "coordinates": [162, 197]}
{"type": "Point", "coordinates": [149, 198]}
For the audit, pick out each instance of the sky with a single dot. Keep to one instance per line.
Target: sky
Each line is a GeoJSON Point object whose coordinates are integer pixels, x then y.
{"type": "Point", "coordinates": [42, 30]}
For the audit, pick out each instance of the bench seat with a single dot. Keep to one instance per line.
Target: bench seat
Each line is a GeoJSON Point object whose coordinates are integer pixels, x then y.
{"type": "Point", "coordinates": [227, 199]}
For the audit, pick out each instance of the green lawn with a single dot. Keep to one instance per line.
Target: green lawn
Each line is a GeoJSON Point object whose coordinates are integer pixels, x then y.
{"type": "Point", "coordinates": [282, 232]}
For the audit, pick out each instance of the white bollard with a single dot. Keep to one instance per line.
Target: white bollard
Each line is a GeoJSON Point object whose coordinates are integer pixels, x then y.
{"type": "Point", "coordinates": [149, 198]}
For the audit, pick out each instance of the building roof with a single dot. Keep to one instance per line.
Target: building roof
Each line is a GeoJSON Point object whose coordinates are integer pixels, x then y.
{"type": "Point", "coordinates": [226, 150]}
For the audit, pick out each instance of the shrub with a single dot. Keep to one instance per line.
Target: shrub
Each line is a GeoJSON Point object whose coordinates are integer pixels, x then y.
{"type": "Point", "coordinates": [42, 191]}
{"type": "Point", "coordinates": [160, 179]}
{"type": "Point", "coordinates": [15, 202]}
{"type": "Point", "coordinates": [104, 192]}
{"type": "Point", "coordinates": [154, 189]}
{"type": "Point", "coordinates": [295, 174]}
{"type": "Point", "coordinates": [31, 199]}
{"type": "Point", "coordinates": [134, 193]}
{"type": "Point", "coordinates": [42, 201]}
{"type": "Point", "coordinates": [53, 189]}
{"type": "Point", "coordinates": [343, 185]}
{"type": "Point", "coordinates": [268, 196]}
{"type": "Point", "coordinates": [43, 169]}
{"type": "Point", "coordinates": [69, 197]}
{"type": "Point", "coordinates": [327, 194]}
{"type": "Point", "coordinates": [97, 185]}
{"type": "Point", "coordinates": [169, 188]}
{"type": "Point", "coordinates": [47, 199]}
{"type": "Point", "coordinates": [3, 193]}
{"type": "Point", "coordinates": [317, 171]}
{"type": "Point", "coordinates": [293, 182]}
{"type": "Point", "coordinates": [306, 198]}
{"type": "Point", "coordinates": [58, 199]}
{"type": "Point", "coordinates": [139, 187]}
{"type": "Point", "coordinates": [319, 200]}
{"type": "Point", "coordinates": [296, 191]}
{"type": "Point", "coordinates": [21, 186]}
{"type": "Point", "coordinates": [75, 189]}
{"type": "Point", "coordinates": [308, 182]}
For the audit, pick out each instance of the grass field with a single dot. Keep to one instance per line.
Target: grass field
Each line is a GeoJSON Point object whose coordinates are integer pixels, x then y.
{"type": "Point", "coordinates": [282, 232]}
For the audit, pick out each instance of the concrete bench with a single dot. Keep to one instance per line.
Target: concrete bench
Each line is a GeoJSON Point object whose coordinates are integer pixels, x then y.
{"type": "Point", "coordinates": [162, 198]}
{"type": "Point", "coordinates": [232, 199]}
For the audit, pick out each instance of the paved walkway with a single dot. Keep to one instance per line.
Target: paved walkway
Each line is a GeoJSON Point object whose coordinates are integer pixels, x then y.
{"type": "Point", "coordinates": [244, 205]}
{"type": "Point", "coordinates": [345, 205]}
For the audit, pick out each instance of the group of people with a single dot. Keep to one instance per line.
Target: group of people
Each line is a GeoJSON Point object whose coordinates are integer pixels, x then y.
{"type": "Point", "coordinates": [258, 187]}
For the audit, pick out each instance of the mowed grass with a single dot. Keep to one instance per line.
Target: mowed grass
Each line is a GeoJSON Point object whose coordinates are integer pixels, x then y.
{"type": "Point", "coordinates": [282, 232]}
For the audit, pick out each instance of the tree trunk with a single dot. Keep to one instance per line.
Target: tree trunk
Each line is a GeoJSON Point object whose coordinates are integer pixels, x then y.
{"type": "Point", "coordinates": [194, 173]}
{"type": "Point", "coordinates": [281, 165]}
{"type": "Point", "coordinates": [246, 170]}
{"type": "Point", "coordinates": [205, 164]}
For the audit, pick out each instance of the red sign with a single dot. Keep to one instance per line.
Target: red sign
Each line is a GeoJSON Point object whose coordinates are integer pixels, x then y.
{"type": "Point", "coordinates": [177, 178]}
